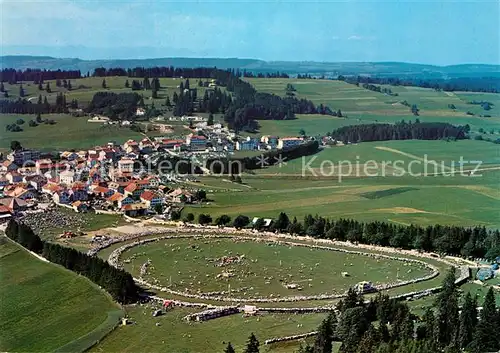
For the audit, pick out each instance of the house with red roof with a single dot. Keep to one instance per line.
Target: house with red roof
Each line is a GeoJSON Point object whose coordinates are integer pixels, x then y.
{"type": "Point", "coordinates": [134, 209]}
{"type": "Point", "coordinates": [102, 191]}
{"type": "Point", "coordinates": [51, 188]}
{"type": "Point", "coordinates": [135, 189]}
{"type": "Point", "coordinates": [80, 207]}
{"type": "Point", "coordinates": [196, 142]}
{"type": "Point", "coordinates": [151, 199]}
{"type": "Point", "coordinates": [170, 144]}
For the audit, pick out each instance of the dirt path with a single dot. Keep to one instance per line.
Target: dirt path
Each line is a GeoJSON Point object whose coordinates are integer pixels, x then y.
{"type": "Point", "coordinates": [388, 149]}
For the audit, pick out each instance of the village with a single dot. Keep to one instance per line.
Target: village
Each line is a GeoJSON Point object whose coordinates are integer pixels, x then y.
{"type": "Point", "coordinates": [111, 178]}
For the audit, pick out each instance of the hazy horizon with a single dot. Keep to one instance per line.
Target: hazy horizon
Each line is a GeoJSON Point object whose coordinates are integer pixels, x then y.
{"type": "Point", "coordinates": [27, 52]}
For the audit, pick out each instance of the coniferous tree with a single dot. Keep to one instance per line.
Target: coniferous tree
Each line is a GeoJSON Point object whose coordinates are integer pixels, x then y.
{"type": "Point", "coordinates": [69, 85]}
{"type": "Point", "coordinates": [252, 344]}
{"type": "Point", "coordinates": [352, 325]}
{"type": "Point", "coordinates": [486, 334]}
{"type": "Point", "coordinates": [229, 348]}
{"type": "Point", "coordinates": [21, 91]}
{"type": "Point", "coordinates": [447, 321]}
{"type": "Point", "coordinates": [103, 84]}
{"type": "Point", "coordinates": [40, 86]}
{"type": "Point", "coordinates": [323, 341]}
{"type": "Point", "coordinates": [468, 321]}
{"type": "Point", "coordinates": [210, 120]}
{"type": "Point", "coordinates": [2, 88]}
{"type": "Point", "coordinates": [47, 88]}
{"type": "Point", "coordinates": [127, 85]}
{"type": "Point", "coordinates": [351, 300]}
{"type": "Point", "coordinates": [369, 341]}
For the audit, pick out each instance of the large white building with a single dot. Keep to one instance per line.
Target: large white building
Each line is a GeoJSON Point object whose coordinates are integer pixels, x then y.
{"type": "Point", "coordinates": [67, 177]}
{"type": "Point", "coordinates": [126, 165]}
{"type": "Point", "coordinates": [289, 142]}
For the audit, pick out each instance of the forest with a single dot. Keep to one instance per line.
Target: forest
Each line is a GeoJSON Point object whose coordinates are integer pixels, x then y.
{"type": "Point", "coordinates": [114, 106]}
{"type": "Point", "coordinates": [384, 325]}
{"type": "Point", "coordinates": [400, 131]}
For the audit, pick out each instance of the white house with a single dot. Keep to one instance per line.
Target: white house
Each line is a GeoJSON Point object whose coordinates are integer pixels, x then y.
{"type": "Point", "coordinates": [67, 177]}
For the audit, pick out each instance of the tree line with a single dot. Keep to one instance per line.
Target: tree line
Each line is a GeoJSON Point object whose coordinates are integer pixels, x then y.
{"type": "Point", "coordinates": [41, 106]}
{"type": "Point", "coordinates": [241, 110]}
{"type": "Point", "coordinates": [13, 76]}
{"type": "Point", "coordinates": [384, 325]}
{"type": "Point", "coordinates": [248, 105]}
{"type": "Point", "coordinates": [469, 242]}
{"type": "Point", "coordinates": [400, 131]}
{"type": "Point", "coordinates": [474, 84]}
{"type": "Point", "coordinates": [379, 89]}
{"type": "Point", "coordinates": [118, 283]}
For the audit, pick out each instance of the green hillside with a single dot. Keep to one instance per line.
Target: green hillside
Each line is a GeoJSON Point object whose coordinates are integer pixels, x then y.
{"type": "Point", "coordinates": [44, 306]}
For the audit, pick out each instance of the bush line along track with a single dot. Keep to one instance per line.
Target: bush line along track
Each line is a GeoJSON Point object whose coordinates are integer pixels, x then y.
{"type": "Point", "coordinates": [114, 260]}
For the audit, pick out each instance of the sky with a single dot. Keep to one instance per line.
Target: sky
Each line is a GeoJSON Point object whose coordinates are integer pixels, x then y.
{"type": "Point", "coordinates": [418, 31]}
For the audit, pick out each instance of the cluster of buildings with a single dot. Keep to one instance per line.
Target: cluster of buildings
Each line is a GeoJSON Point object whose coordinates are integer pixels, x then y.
{"type": "Point", "coordinates": [217, 138]}
{"type": "Point", "coordinates": [103, 178]}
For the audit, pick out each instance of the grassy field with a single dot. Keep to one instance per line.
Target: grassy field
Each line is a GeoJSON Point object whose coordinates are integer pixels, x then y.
{"type": "Point", "coordinates": [177, 335]}
{"type": "Point", "coordinates": [45, 306]}
{"type": "Point", "coordinates": [363, 106]}
{"type": "Point", "coordinates": [265, 269]}
{"type": "Point", "coordinates": [83, 89]}
{"type": "Point", "coordinates": [372, 188]}
{"type": "Point", "coordinates": [69, 133]}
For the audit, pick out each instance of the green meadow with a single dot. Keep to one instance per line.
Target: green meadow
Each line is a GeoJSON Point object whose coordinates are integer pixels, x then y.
{"type": "Point", "coordinates": [177, 335]}
{"type": "Point", "coordinates": [83, 89]}
{"type": "Point", "coordinates": [264, 270]}
{"type": "Point", "coordinates": [360, 181]}
{"type": "Point", "coordinates": [45, 307]}
{"type": "Point", "coordinates": [362, 106]}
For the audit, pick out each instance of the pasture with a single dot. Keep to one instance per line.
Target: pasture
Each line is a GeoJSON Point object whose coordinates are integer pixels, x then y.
{"type": "Point", "coordinates": [254, 269]}
{"type": "Point", "coordinates": [68, 133]}
{"type": "Point", "coordinates": [44, 306]}
{"type": "Point", "coordinates": [177, 335]}
{"type": "Point", "coordinates": [448, 197]}
{"type": "Point", "coordinates": [362, 106]}
{"type": "Point", "coordinates": [181, 261]}
{"type": "Point", "coordinates": [83, 89]}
